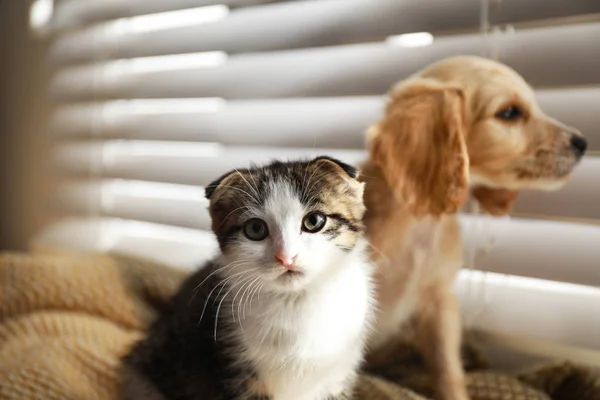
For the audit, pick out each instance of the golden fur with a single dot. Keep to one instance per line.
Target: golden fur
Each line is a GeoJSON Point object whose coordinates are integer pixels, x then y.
{"type": "Point", "coordinates": [441, 137]}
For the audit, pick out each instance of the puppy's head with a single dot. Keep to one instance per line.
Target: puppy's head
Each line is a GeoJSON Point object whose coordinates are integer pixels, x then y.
{"type": "Point", "coordinates": [470, 113]}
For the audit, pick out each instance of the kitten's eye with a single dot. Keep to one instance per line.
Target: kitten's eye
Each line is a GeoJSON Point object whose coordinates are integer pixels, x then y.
{"type": "Point", "coordinates": [510, 113]}
{"type": "Point", "coordinates": [313, 222]}
{"type": "Point", "coordinates": [256, 229]}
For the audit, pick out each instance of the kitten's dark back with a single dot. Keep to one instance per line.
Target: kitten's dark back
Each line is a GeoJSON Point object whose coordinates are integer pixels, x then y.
{"type": "Point", "coordinates": [180, 358]}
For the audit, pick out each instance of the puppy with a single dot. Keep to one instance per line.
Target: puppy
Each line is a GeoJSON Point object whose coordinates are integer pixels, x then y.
{"type": "Point", "coordinates": [462, 124]}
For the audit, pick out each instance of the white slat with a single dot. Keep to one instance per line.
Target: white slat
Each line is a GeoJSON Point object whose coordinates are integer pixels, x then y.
{"type": "Point", "coordinates": [559, 312]}
{"type": "Point", "coordinates": [180, 247]}
{"type": "Point", "coordinates": [302, 24]}
{"type": "Point", "coordinates": [178, 162]}
{"type": "Point", "coordinates": [338, 71]}
{"type": "Point", "coordinates": [327, 122]}
{"type": "Point", "coordinates": [521, 306]}
{"type": "Point", "coordinates": [580, 198]}
{"type": "Point", "coordinates": [70, 14]}
{"type": "Point", "coordinates": [324, 122]}
{"type": "Point", "coordinates": [577, 107]}
{"type": "Point", "coordinates": [162, 203]}
{"type": "Point", "coordinates": [557, 251]}
{"type": "Point", "coordinates": [521, 247]}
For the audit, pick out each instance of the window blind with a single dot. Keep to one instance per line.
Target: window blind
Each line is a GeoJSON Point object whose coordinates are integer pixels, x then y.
{"type": "Point", "coordinates": [153, 99]}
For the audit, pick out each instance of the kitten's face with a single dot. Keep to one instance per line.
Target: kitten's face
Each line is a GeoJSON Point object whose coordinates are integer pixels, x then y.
{"type": "Point", "coordinates": [286, 224]}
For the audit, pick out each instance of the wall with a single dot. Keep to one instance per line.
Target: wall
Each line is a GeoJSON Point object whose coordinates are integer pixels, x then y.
{"type": "Point", "coordinates": [24, 174]}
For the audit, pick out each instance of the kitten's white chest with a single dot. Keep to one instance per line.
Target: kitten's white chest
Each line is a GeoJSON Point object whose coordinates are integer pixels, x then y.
{"type": "Point", "coordinates": [333, 318]}
{"type": "Point", "coordinates": [304, 349]}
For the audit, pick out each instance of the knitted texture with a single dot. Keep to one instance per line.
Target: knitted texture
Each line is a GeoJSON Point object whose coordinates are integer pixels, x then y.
{"type": "Point", "coordinates": [65, 321]}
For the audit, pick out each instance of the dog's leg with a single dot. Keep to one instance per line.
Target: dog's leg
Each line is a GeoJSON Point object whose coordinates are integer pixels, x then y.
{"type": "Point", "coordinates": [438, 333]}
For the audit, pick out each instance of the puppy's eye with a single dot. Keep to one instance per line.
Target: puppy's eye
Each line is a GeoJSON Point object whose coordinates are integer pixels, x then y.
{"type": "Point", "coordinates": [256, 229]}
{"type": "Point", "coordinates": [509, 113]}
{"type": "Point", "coordinates": [313, 222]}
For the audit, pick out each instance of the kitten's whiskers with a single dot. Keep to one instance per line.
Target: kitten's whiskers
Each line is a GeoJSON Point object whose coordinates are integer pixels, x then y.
{"type": "Point", "coordinates": [250, 195]}
{"type": "Point", "coordinates": [255, 186]}
{"type": "Point", "coordinates": [319, 179]}
{"type": "Point", "coordinates": [227, 216]}
{"type": "Point", "coordinates": [223, 282]}
{"type": "Point", "coordinates": [228, 279]}
{"type": "Point", "coordinates": [376, 264]}
{"type": "Point", "coordinates": [307, 185]}
{"type": "Point", "coordinates": [246, 291]}
{"type": "Point", "coordinates": [223, 299]}
{"type": "Point", "coordinates": [232, 265]}
{"type": "Point", "coordinates": [257, 294]}
{"type": "Point", "coordinates": [256, 196]}
{"type": "Point", "coordinates": [252, 294]}
{"type": "Point", "coordinates": [236, 295]}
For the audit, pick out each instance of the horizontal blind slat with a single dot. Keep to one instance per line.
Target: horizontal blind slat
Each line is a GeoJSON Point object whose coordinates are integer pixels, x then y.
{"type": "Point", "coordinates": [177, 162]}
{"type": "Point", "coordinates": [507, 304]}
{"type": "Point", "coordinates": [522, 247]}
{"type": "Point", "coordinates": [323, 122]}
{"type": "Point", "coordinates": [531, 308]}
{"type": "Point", "coordinates": [70, 14]}
{"type": "Point", "coordinates": [341, 70]}
{"type": "Point", "coordinates": [305, 24]}
{"type": "Point", "coordinates": [160, 203]}
{"type": "Point", "coordinates": [580, 198]}
{"type": "Point", "coordinates": [577, 107]}
{"type": "Point", "coordinates": [177, 246]}
{"type": "Point", "coordinates": [533, 248]}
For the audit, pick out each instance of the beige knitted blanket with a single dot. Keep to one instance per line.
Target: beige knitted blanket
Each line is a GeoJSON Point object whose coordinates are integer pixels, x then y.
{"type": "Point", "coordinates": [65, 320]}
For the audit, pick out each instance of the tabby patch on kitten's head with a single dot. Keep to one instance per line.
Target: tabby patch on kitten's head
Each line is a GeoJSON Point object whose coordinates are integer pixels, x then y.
{"type": "Point", "coordinates": [288, 220]}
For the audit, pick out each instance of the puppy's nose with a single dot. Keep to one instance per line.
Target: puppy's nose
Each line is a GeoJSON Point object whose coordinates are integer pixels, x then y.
{"type": "Point", "coordinates": [579, 144]}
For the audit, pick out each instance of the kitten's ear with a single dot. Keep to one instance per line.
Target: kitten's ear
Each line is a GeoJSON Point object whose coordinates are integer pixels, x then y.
{"type": "Point", "coordinates": [212, 187]}
{"type": "Point", "coordinates": [350, 170]}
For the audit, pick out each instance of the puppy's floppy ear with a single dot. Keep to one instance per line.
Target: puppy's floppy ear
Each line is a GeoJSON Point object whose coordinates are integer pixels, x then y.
{"type": "Point", "coordinates": [495, 202]}
{"type": "Point", "coordinates": [420, 147]}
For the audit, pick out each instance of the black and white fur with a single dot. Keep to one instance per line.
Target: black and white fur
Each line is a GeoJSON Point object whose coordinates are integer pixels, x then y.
{"type": "Point", "coordinates": [248, 326]}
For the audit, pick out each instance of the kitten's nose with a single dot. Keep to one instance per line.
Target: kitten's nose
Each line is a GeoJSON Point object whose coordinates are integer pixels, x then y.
{"type": "Point", "coordinates": [285, 259]}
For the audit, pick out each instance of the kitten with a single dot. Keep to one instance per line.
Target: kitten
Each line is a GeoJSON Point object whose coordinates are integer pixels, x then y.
{"type": "Point", "coordinates": [283, 312]}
